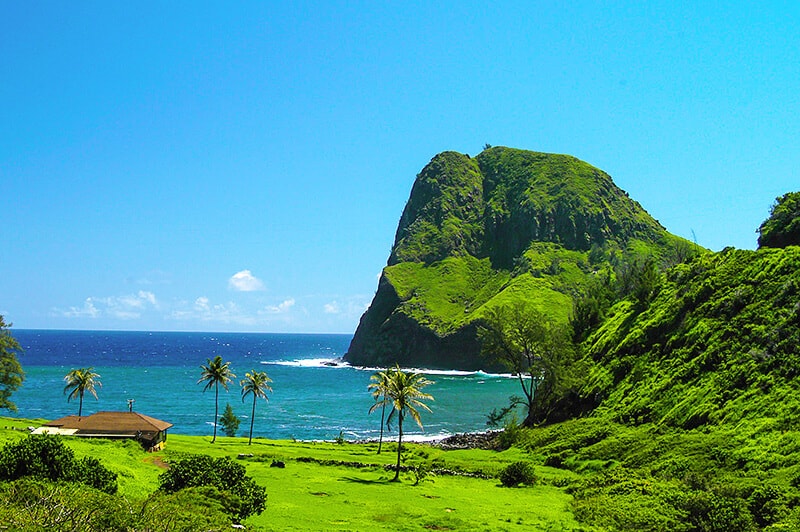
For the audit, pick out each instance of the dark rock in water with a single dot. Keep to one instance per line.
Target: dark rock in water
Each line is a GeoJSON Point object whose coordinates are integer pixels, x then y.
{"type": "Point", "coordinates": [278, 463]}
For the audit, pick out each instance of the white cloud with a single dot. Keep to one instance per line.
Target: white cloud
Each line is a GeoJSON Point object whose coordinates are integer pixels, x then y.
{"type": "Point", "coordinates": [88, 310]}
{"type": "Point", "coordinates": [124, 307]}
{"type": "Point", "coordinates": [245, 281]}
{"type": "Point", "coordinates": [281, 308]}
{"type": "Point", "coordinates": [331, 308]}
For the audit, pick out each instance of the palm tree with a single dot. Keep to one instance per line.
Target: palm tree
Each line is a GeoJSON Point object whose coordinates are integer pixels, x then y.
{"type": "Point", "coordinates": [255, 383]}
{"type": "Point", "coordinates": [216, 373]}
{"type": "Point", "coordinates": [380, 388]}
{"type": "Point", "coordinates": [406, 395]}
{"type": "Point", "coordinates": [79, 381]}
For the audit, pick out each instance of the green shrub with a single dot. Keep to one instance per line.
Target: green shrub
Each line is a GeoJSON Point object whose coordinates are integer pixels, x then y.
{"type": "Point", "coordinates": [768, 504]}
{"type": "Point", "coordinates": [229, 421]}
{"type": "Point", "coordinates": [517, 473]}
{"type": "Point", "coordinates": [242, 496]}
{"type": "Point", "coordinates": [31, 504]}
{"type": "Point", "coordinates": [47, 458]}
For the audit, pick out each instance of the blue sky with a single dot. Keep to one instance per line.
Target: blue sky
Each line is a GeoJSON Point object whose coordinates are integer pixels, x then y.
{"type": "Point", "coordinates": [243, 166]}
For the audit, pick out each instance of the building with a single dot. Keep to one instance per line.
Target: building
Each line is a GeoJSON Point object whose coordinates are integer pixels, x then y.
{"type": "Point", "coordinates": [149, 431]}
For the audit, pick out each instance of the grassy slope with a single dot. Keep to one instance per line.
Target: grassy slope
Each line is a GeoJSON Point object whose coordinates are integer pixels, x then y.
{"type": "Point", "coordinates": [311, 496]}
{"type": "Point", "coordinates": [701, 406]}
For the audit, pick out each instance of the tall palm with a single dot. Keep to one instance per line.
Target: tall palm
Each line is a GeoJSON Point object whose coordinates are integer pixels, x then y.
{"type": "Point", "coordinates": [214, 374]}
{"type": "Point", "coordinates": [79, 381]}
{"type": "Point", "coordinates": [406, 395]}
{"type": "Point", "coordinates": [380, 387]}
{"type": "Point", "coordinates": [255, 383]}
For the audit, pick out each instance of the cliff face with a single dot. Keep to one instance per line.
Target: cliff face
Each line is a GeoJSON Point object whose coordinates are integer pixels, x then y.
{"type": "Point", "coordinates": [478, 232]}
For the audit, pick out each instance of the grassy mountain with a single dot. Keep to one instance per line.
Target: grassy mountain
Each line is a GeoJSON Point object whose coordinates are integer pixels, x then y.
{"type": "Point", "coordinates": [479, 232]}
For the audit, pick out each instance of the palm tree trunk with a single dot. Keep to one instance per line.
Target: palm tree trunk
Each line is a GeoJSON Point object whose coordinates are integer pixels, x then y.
{"type": "Point", "coordinates": [216, 411]}
{"type": "Point", "coordinates": [252, 419]}
{"type": "Point", "coordinates": [399, 446]}
{"type": "Point", "coordinates": [383, 416]}
{"type": "Point", "coordinates": [80, 404]}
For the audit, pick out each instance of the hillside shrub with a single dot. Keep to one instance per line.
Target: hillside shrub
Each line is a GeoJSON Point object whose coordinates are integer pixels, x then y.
{"type": "Point", "coordinates": [240, 495]}
{"type": "Point", "coordinates": [31, 504]}
{"type": "Point", "coordinates": [518, 473]}
{"type": "Point", "coordinates": [45, 457]}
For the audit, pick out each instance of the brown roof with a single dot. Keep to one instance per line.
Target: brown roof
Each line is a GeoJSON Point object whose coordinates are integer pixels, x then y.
{"type": "Point", "coordinates": [111, 423]}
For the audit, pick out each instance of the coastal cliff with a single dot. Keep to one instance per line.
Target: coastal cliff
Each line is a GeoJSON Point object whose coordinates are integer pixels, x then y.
{"type": "Point", "coordinates": [478, 232]}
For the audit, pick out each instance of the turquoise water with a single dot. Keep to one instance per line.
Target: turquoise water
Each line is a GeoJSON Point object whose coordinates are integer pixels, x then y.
{"type": "Point", "coordinates": [310, 400]}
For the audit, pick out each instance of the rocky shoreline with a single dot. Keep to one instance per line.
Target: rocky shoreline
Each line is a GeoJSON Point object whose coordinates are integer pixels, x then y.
{"type": "Point", "coordinates": [470, 440]}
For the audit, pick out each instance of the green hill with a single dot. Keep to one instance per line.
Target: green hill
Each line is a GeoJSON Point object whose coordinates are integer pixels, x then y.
{"type": "Point", "coordinates": [479, 232]}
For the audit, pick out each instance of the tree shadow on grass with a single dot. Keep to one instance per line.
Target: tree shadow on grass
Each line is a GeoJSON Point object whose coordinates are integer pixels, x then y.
{"type": "Point", "coordinates": [364, 480]}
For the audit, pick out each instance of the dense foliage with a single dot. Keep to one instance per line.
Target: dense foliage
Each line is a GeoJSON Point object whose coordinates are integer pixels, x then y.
{"type": "Point", "coordinates": [782, 228]}
{"type": "Point", "coordinates": [698, 398]}
{"type": "Point", "coordinates": [45, 457]}
{"type": "Point", "coordinates": [530, 346]}
{"type": "Point", "coordinates": [516, 473]}
{"type": "Point", "coordinates": [229, 421]}
{"type": "Point", "coordinates": [11, 374]}
{"type": "Point", "coordinates": [29, 504]}
{"type": "Point", "coordinates": [238, 493]}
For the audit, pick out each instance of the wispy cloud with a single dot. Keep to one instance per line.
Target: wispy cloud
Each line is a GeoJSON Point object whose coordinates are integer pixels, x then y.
{"type": "Point", "coordinates": [353, 306]}
{"type": "Point", "coordinates": [281, 308]}
{"type": "Point", "coordinates": [245, 281]}
{"type": "Point", "coordinates": [204, 310]}
{"type": "Point", "coordinates": [124, 307]}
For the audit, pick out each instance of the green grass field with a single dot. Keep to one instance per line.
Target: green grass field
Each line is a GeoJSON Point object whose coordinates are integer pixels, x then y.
{"type": "Point", "coordinates": [331, 486]}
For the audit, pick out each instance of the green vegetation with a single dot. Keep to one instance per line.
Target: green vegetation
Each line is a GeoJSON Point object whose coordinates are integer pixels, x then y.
{"type": "Point", "coordinates": [238, 493]}
{"type": "Point", "coordinates": [323, 486]}
{"type": "Point", "coordinates": [380, 392]}
{"type": "Point", "coordinates": [403, 391]}
{"type": "Point", "coordinates": [517, 473]}
{"type": "Point", "coordinates": [229, 421]}
{"type": "Point", "coordinates": [11, 374]}
{"type": "Point", "coordinates": [255, 383]}
{"type": "Point", "coordinates": [678, 407]}
{"type": "Point", "coordinates": [44, 457]}
{"type": "Point", "coordinates": [782, 228]}
{"type": "Point", "coordinates": [79, 381]}
{"type": "Point", "coordinates": [216, 373]}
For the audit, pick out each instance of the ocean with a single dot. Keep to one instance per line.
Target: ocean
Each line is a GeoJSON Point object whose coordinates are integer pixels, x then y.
{"type": "Point", "coordinates": [315, 395]}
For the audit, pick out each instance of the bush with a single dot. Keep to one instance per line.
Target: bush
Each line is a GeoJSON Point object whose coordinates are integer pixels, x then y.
{"type": "Point", "coordinates": [518, 473]}
{"type": "Point", "coordinates": [47, 458]}
{"type": "Point", "coordinates": [30, 504]}
{"type": "Point", "coordinates": [229, 421]}
{"type": "Point", "coordinates": [242, 496]}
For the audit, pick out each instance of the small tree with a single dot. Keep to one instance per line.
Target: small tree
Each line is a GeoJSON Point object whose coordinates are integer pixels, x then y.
{"type": "Point", "coordinates": [782, 228]}
{"type": "Point", "coordinates": [79, 381]}
{"type": "Point", "coordinates": [380, 387]}
{"type": "Point", "coordinates": [214, 374]}
{"type": "Point", "coordinates": [533, 348]}
{"type": "Point", "coordinates": [255, 383]}
{"type": "Point", "coordinates": [11, 374]}
{"type": "Point", "coordinates": [229, 421]}
{"type": "Point", "coordinates": [246, 497]}
{"type": "Point", "coordinates": [404, 393]}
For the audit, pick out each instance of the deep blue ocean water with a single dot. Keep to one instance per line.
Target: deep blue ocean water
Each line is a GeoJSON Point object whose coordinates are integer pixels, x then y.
{"type": "Point", "coordinates": [310, 399]}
